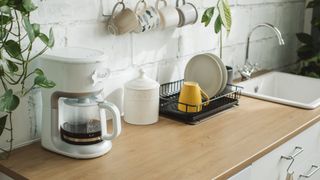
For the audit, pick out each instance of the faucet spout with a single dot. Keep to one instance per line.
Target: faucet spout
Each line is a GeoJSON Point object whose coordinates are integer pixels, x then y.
{"type": "Point", "coordinates": [249, 68]}
{"type": "Point", "coordinates": [268, 25]}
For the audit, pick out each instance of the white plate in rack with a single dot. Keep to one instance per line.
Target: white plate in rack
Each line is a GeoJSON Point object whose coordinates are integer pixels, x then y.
{"type": "Point", "coordinates": [207, 71]}
{"type": "Point", "coordinates": [224, 72]}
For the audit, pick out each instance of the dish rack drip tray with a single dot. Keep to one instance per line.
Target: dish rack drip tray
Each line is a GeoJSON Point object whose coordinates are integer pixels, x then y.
{"type": "Point", "coordinates": [169, 100]}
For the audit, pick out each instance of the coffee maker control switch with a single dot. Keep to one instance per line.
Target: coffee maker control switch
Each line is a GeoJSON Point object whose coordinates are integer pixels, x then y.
{"type": "Point", "coordinates": [100, 75]}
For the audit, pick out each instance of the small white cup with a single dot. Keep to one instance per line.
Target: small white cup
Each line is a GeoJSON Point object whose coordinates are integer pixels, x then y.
{"type": "Point", "coordinates": [188, 13]}
{"type": "Point", "coordinates": [148, 17]}
{"type": "Point", "coordinates": [168, 14]}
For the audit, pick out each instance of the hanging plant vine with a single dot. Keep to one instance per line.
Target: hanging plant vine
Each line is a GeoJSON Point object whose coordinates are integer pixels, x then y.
{"type": "Point", "coordinates": [15, 58]}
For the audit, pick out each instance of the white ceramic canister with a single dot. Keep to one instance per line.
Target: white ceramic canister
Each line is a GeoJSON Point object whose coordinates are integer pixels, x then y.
{"type": "Point", "coordinates": [141, 100]}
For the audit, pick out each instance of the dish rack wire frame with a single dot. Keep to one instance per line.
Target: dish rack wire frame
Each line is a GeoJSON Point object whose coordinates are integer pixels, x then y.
{"type": "Point", "coordinates": [169, 101]}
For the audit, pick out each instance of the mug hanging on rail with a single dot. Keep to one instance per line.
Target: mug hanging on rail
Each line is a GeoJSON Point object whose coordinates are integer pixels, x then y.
{"type": "Point", "coordinates": [122, 22]}
{"type": "Point", "coordinates": [168, 14]}
{"type": "Point", "coordinates": [148, 17]}
{"type": "Point", "coordinates": [188, 13]}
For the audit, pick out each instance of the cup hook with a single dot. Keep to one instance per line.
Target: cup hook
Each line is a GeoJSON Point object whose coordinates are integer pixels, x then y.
{"type": "Point", "coordinates": [138, 4]}
{"type": "Point", "coordinates": [183, 2]}
{"type": "Point", "coordinates": [164, 3]}
{"type": "Point", "coordinates": [110, 15]}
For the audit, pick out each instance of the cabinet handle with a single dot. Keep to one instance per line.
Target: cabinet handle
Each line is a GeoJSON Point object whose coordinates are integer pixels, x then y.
{"type": "Point", "coordinates": [316, 168]}
{"type": "Point", "coordinates": [297, 151]}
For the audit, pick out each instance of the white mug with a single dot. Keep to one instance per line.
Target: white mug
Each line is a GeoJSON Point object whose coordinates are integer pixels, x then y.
{"type": "Point", "coordinates": [122, 22]}
{"type": "Point", "coordinates": [148, 17]}
{"type": "Point", "coordinates": [188, 13]}
{"type": "Point", "coordinates": [168, 14]}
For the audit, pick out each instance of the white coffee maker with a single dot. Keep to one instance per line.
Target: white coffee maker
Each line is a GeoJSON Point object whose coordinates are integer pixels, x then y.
{"type": "Point", "coordinates": [74, 112]}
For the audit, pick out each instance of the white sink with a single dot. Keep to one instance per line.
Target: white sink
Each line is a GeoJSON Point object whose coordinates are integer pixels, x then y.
{"type": "Point", "coordinates": [284, 88]}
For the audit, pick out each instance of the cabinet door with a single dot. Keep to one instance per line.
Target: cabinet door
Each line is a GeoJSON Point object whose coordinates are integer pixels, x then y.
{"type": "Point", "coordinates": [245, 174]}
{"type": "Point", "coordinates": [310, 169]}
{"type": "Point", "coordinates": [273, 167]}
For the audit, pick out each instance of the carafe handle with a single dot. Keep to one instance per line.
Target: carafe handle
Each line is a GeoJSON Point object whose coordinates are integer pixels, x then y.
{"type": "Point", "coordinates": [116, 120]}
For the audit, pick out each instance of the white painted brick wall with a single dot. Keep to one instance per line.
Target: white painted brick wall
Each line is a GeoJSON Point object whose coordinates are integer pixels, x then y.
{"type": "Point", "coordinates": [164, 54]}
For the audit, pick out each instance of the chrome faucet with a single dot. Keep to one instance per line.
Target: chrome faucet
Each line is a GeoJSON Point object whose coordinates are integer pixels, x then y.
{"type": "Point", "coordinates": [249, 68]}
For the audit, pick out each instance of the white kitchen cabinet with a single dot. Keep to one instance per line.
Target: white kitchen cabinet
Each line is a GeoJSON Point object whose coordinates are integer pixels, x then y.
{"type": "Point", "coordinates": [245, 174]}
{"type": "Point", "coordinates": [273, 167]}
{"type": "Point", "coordinates": [310, 167]}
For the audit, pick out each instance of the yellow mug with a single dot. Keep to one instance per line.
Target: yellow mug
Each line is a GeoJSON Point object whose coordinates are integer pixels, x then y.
{"type": "Point", "coordinates": [190, 99]}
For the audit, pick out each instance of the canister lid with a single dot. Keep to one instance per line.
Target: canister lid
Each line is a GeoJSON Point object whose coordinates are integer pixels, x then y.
{"type": "Point", "coordinates": [74, 55]}
{"type": "Point", "coordinates": [142, 82]}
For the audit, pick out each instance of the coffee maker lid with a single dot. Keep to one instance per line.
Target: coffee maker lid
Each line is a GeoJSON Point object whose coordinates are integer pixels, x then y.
{"type": "Point", "coordinates": [74, 55]}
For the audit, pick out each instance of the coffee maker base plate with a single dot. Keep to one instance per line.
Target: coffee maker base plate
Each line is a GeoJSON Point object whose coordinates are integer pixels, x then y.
{"type": "Point", "coordinates": [79, 152]}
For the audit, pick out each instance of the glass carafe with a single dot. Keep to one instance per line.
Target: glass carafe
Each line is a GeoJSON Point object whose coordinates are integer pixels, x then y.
{"type": "Point", "coordinates": [83, 121]}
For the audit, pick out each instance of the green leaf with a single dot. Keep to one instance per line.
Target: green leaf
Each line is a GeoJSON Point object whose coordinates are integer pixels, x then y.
{"type": "Point", "coordinates": [38, 71]}
{"type": "Point", "coordinates": [36, 29]}
{"type": "Point", "coordinates": [44, 38]}
{"type": "Point", "coordinates": [217, 25]}
{"type": "Point", "coordinates": [5, 9]}
{"type": "Point", "coordinates": [13, 49]}
{"type": "Point", "coordinates": [207, 16]}
{"type": "Point", "coordinates": [9, 102]}
{"type": "Point", "coordinates": [49, 41]}
{"type": "Point", "coordinates": [3, 33]}
{"type": "Point", "coordinates": [311, 68]}
{"type": "Point", "coordinates": [305, 52]}
{"type": "Point", "coordinates": [313, 4]}
{"type": "Point", "coordinates": [12, 66]}
{"type": "Point", "coordinates": [42, 81]}
{"type": "Point", "coordinates": [28, 27]}
{"type": "Point", "coordinates": [5, 19]}
{"type": "Point", "coordinates": [51, 38]}
{"type": "Point", "coordinates": [28, 5]}
{"type": "Point", "coordinates": [316, 22]}
{"type": "Point", "coordinates": [17, 5]}
{"type": "Point", "coordinates": [305, 38]}
{"type": "Point", "coordinates": [305, 48]}
{"type": "Point", "coordinates": [3, 121]}
{"type": "Point", "coordinates": [225, 14]}
{"type": "Point", "coordinates": [1, 70]}
{"type": "Point", "coordinates": [313, 74]}
{"type": "Point", "coordinates": [3, 2]}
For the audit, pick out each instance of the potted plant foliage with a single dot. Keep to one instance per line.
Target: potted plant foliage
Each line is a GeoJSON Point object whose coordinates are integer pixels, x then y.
{"type": "Point", "coordinates": [17, 39]}
{"type": "Point", "coordinates": [308, 52]}
{"type": "Point", "coordinates": [223, 18]}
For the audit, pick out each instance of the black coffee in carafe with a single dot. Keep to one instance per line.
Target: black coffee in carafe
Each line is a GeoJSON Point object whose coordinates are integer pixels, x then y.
{"type": "Point", "coordinates": [92, 126]}
{"type": "Point", "coordinates": [81, 121]}
{"type": "Point", "coordinates": [81, 133]}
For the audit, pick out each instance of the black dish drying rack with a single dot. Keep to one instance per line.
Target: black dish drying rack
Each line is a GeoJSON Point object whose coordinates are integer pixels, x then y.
{"type": "Point", "coordinates": [169, 96]}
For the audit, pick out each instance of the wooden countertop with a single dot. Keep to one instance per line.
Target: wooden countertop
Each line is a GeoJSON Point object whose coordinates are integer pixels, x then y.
{"type": "Point", "coordinates": [217, 148]}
